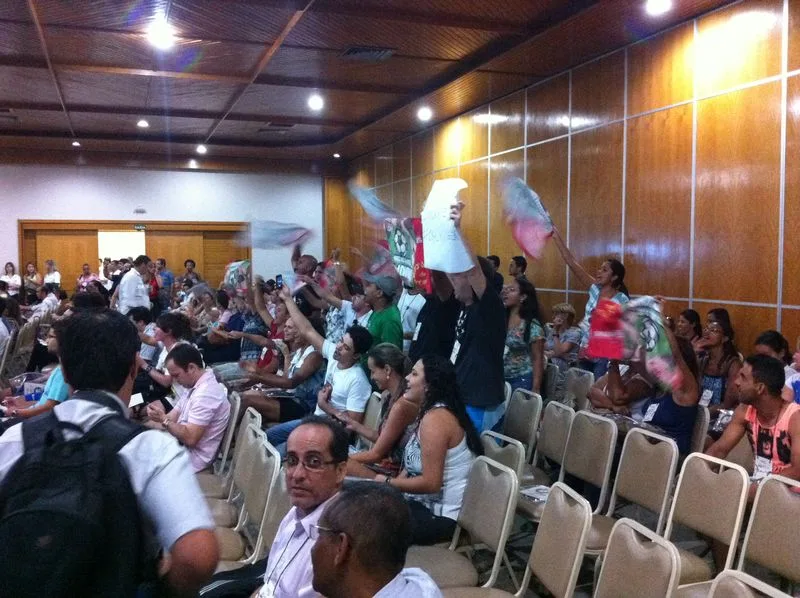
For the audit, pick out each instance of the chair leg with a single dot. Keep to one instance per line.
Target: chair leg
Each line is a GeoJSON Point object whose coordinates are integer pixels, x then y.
{"type": "Point", "coordinates": [511, 573]}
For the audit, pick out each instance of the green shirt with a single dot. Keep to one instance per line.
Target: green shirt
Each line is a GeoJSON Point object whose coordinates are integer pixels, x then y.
{"type": "Point", "coordinates": [385, 327]}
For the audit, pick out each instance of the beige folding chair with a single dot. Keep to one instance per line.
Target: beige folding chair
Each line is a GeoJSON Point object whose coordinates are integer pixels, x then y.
{"type": "Point", "coordinates": [221, 465]}
{"type": "Point", "coordinates": [736, 584]}
{"type": "Point", "coordinates": [23, 349]}
{"type": "Point", "coordinates": [588, 457]}
{"type": "Point", "coordinates": [243, 542]}
{"type": "Point", "coordinates": [638, 563]}
{"type": "Point", "coordinates": [769, 541]}
{"type": "Point", "coordinates": [217, 486]}
{"type": "Point", "coordinates": [7, 353]}
{"type": "Point", "coordinates": [742, 454]}
{"type": "Point", "coordinates": [646, 470]}
{"type": "Point", "coordinates": [487, 513]}
{"type": "Point", "coordinates": [700, 430]}
{"type": "Point", "coordinates": [557, 550]}
{"type": "Point", "coordinates": [372, 416]}
{"type": "Point", "coordinates": [550, 385]}
{"type": "Point", "coordinates": [578, 382]}
{"type": "Point", "coordinates": [710, 499]}
{"type": "Point", "coordinates": [552, 441]}
{"type": "Point", "coordinates": [506, 393]}
{"type": "Point", "coordinates": [522, 417]}
{"type": "Point", "coordinates": [506, 451]}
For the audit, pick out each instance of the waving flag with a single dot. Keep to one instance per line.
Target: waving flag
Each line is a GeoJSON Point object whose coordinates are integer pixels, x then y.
{"type": "Point", "coordinates": [267, 234]}
{"type": "Point", "coordinates": [374, 207]}
{"type": "Point", "coordinates": [531, 225]}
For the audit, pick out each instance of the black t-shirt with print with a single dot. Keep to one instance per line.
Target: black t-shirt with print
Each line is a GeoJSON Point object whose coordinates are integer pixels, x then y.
{"type": "Point", "coordinates": [437, 327]}
{"type": "Point", "coordinates": [480, 336]}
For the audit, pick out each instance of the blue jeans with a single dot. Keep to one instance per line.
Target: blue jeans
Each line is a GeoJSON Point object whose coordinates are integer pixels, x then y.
{"type": "Point", "coordinates": [486, 418]}
{"type": "Point", "coordinates": [278, 435]}
{"type": "Point", "coordinates": [598, 367]}
{"type": "Point", "coordinates": [525, 382]}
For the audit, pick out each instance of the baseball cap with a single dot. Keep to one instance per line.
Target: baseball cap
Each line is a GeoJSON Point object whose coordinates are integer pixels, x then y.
{"type": "Point", "coordinates": [387, 284]}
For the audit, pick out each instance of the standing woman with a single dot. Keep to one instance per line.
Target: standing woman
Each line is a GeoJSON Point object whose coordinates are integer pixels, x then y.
{"type": "Point", "coordinates": [523, 358]}
{"type": "Point", "coordinates": [31, 283]}
{"type": "Point", "coordinates": [13, 280]}
{"type": "Point", "coordinates": [51, 274]}
{"type": "Point", "coordinates": [608, 283]}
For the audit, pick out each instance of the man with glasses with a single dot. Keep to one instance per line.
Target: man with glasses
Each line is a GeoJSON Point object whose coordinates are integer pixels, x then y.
{"type": "Point", "coordinates": [361, 543]}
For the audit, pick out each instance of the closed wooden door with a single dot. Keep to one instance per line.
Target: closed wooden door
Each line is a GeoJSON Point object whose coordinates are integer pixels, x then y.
{"type": "Point", "coordinates": [219, 250]}
{"type": "Point", "coordinates": [176, 247]}
{"type": "Point", "coordinates": [70, 249]}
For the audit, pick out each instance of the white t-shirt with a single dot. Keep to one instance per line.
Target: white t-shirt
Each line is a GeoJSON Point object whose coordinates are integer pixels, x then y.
{"type": "Point", "coordinates": [409, 306]}
{"type": "Point", "coordinates": [14, 283]}
{"type": "Point", "coordinates": [350, 388]}
{"type": "Point", "coordinates": [52, 277]}
{"type": "Point", "coordinates": [132, 292]}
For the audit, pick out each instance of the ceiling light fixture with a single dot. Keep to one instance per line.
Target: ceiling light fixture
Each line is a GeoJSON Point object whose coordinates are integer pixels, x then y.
{"type": "Point", "coordinates": [201, 149]}
{"type": "Point", "coordinates": [192, 163]}
{"type": "Point", "coordinates": [656, 8]}
{"type": "Point", "coordinates": [76, 144]}
{"type": "Point", "coordinates": [315, 102]}
{"type": "Point", "coordinates": [160, 33]}
{"type": "Point", "coordinates": [142, 124]}
{"type": "Point", "coordinates": [337, 156]}
{"type": "Point", "coordinates": [424, 114]}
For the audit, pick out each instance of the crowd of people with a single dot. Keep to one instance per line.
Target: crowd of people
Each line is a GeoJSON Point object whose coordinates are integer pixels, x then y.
{"type": "Point", "coordinates": [307, 357]}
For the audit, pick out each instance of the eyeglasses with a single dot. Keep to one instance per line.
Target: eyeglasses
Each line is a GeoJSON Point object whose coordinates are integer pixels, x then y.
{"type": "Point", "coordinates": [314, 531]}
{"type": "Point", "coordinates": [309, 463]}
{"type": "Point", "coordinates": [715, 328]}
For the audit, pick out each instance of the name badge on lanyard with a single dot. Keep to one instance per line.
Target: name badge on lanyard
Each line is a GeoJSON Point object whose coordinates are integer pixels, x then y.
{"type": "Point", "coordinates": [454, 354]}
{"type": "Point", "coordinates": [651, 412]}
{"type": "Point", "coordinates": [762, 468]}
{"type": "Point", "coordinates": [416, 331]}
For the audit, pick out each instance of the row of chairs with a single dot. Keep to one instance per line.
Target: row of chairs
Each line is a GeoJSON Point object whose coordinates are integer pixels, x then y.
{"type": "Point", "coordinates": [19, 348]}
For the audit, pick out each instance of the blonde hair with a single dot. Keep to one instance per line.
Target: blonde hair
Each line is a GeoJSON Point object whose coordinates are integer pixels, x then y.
{"type": "Point", "coordinates": [566, 309]}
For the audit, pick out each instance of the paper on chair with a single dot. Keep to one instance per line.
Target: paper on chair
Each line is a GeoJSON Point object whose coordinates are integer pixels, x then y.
{"type": "Point", "coordinates": [537, 493]}
{"type": "Point", "coordinates": [444, 248]}
{"type": "Point", "coordinates": [136, 399]}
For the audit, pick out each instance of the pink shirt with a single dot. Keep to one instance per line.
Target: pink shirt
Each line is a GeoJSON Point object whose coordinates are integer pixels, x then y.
{"type": "Point", "coordinates": [206, 404]}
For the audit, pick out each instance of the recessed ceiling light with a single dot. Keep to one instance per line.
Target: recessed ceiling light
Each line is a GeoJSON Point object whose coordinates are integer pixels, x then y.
{"type": "Point", "coordinates": [201, 149]}
{"type": "Point", "coordinates": [143, 124]}
{"type": "Point", "coordinates": [192, 163]}
{"type": "Point", "coordinates": [160, 33]}
{"type": "Point", "coordinates": [424, 114]}
{"type": "Point", "coordinates": [337, 155]}
{"type": "Point", "coordinates": [76, 144]}
{"type": "Point", "coordinates": [315, 102]}
{"type": "Point", "coordinates": [656, 8]}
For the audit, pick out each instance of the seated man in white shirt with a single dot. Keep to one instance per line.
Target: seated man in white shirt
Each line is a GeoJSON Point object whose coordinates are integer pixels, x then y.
{"type": "Point", "coordinates": [361, 543]}
{"type": "Point", "coordinates": [48, 301]}
{"type": "Point", "coordinates": [200, 417]}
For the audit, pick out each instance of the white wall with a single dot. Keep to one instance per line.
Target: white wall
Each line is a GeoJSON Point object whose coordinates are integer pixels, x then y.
{"type": "Point", "coordinates": [82, 193]}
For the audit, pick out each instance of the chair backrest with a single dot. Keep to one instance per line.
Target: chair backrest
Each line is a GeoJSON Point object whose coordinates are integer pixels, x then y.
{"type": "Point", "coordinates": [554, 432]}
{"type": "Point", "coordinates": [560, 541]}
{"type": "Point", "coordinates": [266, 466]}
{"type": "Point", "coordinates": [551, 374]}
{"type": "Point", "coordinates": [772, 540]}
{"type": "Point", "coordinates": [225, 447]}
{"type": "Point", "coordinates": [736, 584]}
{"type": "Point", "coordinates": [487, 510]}
{"type": "Point", "coordinates": [506, 392]}
{"type": "Point", "coordinates": [646, 470]}
{"type": "Point", "coordinates": [710, 498]}
{"type": "Point", "coordinates": [578, 382]}
{"type": "Point", "coordinates": [372, 413]}
{"type": "Point", "coordinates": [23, 348]}
{"type": "Point", "coordinates": [8, 351]}
{"type": "Point", "coordinates": [277, 509]}
{"type": "Point", "coordinates": [742, 454]}
{"type": "Point", "coordinates": [700, 430]}
{"type": "Point", "coordinates": [522, 419]}
{"type": "Point", "coordinates": [506, 451]}
{"type": "Point", "coordinates": [590, 451]}
{"type": "Point", "coordinates": [246, 455]}
{"type": "Point", "coordinates": [638, 563]}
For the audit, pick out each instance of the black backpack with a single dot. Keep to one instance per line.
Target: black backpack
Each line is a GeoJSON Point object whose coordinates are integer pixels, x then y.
{"type": "Point", "coordinates": [69, 520]}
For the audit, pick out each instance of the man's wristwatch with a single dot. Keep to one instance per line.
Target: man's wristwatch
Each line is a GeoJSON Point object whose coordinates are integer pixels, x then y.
{"type": "Point", "coordinates": [148, 368]}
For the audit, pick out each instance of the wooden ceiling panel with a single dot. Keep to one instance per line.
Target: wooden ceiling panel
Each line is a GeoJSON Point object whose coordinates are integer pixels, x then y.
{"type": "Point", "coordinates": [263, 132]}
{"type": "Point", "coordinates": [338, 32]}
{"type": "Point", "coordinates": [19, 40]}
{"type": "Point", "coordinates": [208, 19]}
{"type": "Point", "coordinates": [134, 15]}
{"type": "Point", "coordinates": [292, 101]}
{"type": "Point", "coordinates": [99, 48]}
{"type": "Point", "coordinates": [35, 120]}
{"type": "Point", "coordinates": [125, 124]}
{"type": "Point", "coordinates": [101, 89]}
{"type": "Point", "coordinates": [21, 84]}
{"type": "Point", "coordinates": [328, 65]}
{"type": "Point", "coordinates": [194, 95]}
{"type": "Point", "coordinates": [16, 10]}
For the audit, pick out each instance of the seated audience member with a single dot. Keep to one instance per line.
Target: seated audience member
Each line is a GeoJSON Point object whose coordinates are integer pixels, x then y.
{"type": "Point", "coordinates": [85, 278]}
{"type": "Point", "coordinates": [64, 303]}
{"type": "Point", "coordinates": [626, 388]}
{"type": "Point", "coordinates": [517, 266]}
{"type": "Point", "coordinates": [409, 305]}
{"type": "Point", "coordinates": [292, 395]}
{"type": "Point", "coordinates": [688, 326]}
{"type": "Point", "coordinates": [347, 305]}
{"type": "Point", "coordinates": [6, 326]}
{"type": "Point", "coordinates": [436, 323]}
{"type": "Point", "coordinates": [253, 337]}
{"type": "Point", "coordinates": [190, 273]}
{"type": "Point", "coordinates": [97, 349]}
{"type": "Point", "coordinates": [12, 316]}
{"type": "Point", "coordinates": [675, 412]}
{"type": "Point", "coordinates": [183, 297]}
{"type": "Point", "coordinates": [774, 344]}
{"type": "Point", "coordinates": [562, 337]}
{"type": "Point", "coordinates": [772, 425]}
{"type": "Point", "coordinates": [97, 288]}
{"type": "Point", "coordinates": [13, 280]}
{"type": "Point", "coordinates": [314, 469]}
{"type": "Point", "coordinates": [360, 547]}
{"type": "Point", "coordinates": [388, 368]}
{"type": "Point", "coordinates": [523, 357]}
{"type": "Point", "coordinates": [143, 320]}
{"type": "Point", "coordinates": [156, 383]}
{"type": "Point", "coordinates": [48, 301]}
{"type": "Point", "coordinates": [346, 388]}
{"type": "Point", "coordinates": [55, 389]}
{"type": "Point", "coordinates": [384, 323]}
{"type": "Point", "coordinates": [218, 346]}
{"type": "Point", "coordinates": [51, 274]}
{"type": "Point", "coordinates": [200, 417]}
{"type": "Point", "coordinates": [719, 363]}
{"type": "Point", "coordinates": [439, 455]}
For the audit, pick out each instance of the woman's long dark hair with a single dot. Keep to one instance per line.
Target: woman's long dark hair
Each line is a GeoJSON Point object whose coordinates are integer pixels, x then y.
{"type": "Point", "coordinates": [693, 318]}
{"type": "Point", "coordinates": [442, 387]}
{"type": "Point", "coordinates": [618, 270]}
{"type": "Point", "coordinates": [723, 318]}
{"type": "Point", "coordinates": [529, 308]}
{"type": "Point", "coordinates": [777, 342]}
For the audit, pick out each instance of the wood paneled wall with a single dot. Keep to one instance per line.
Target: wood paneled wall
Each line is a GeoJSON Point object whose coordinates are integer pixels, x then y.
{"type": "Point", "coordinates": [680, 154]}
